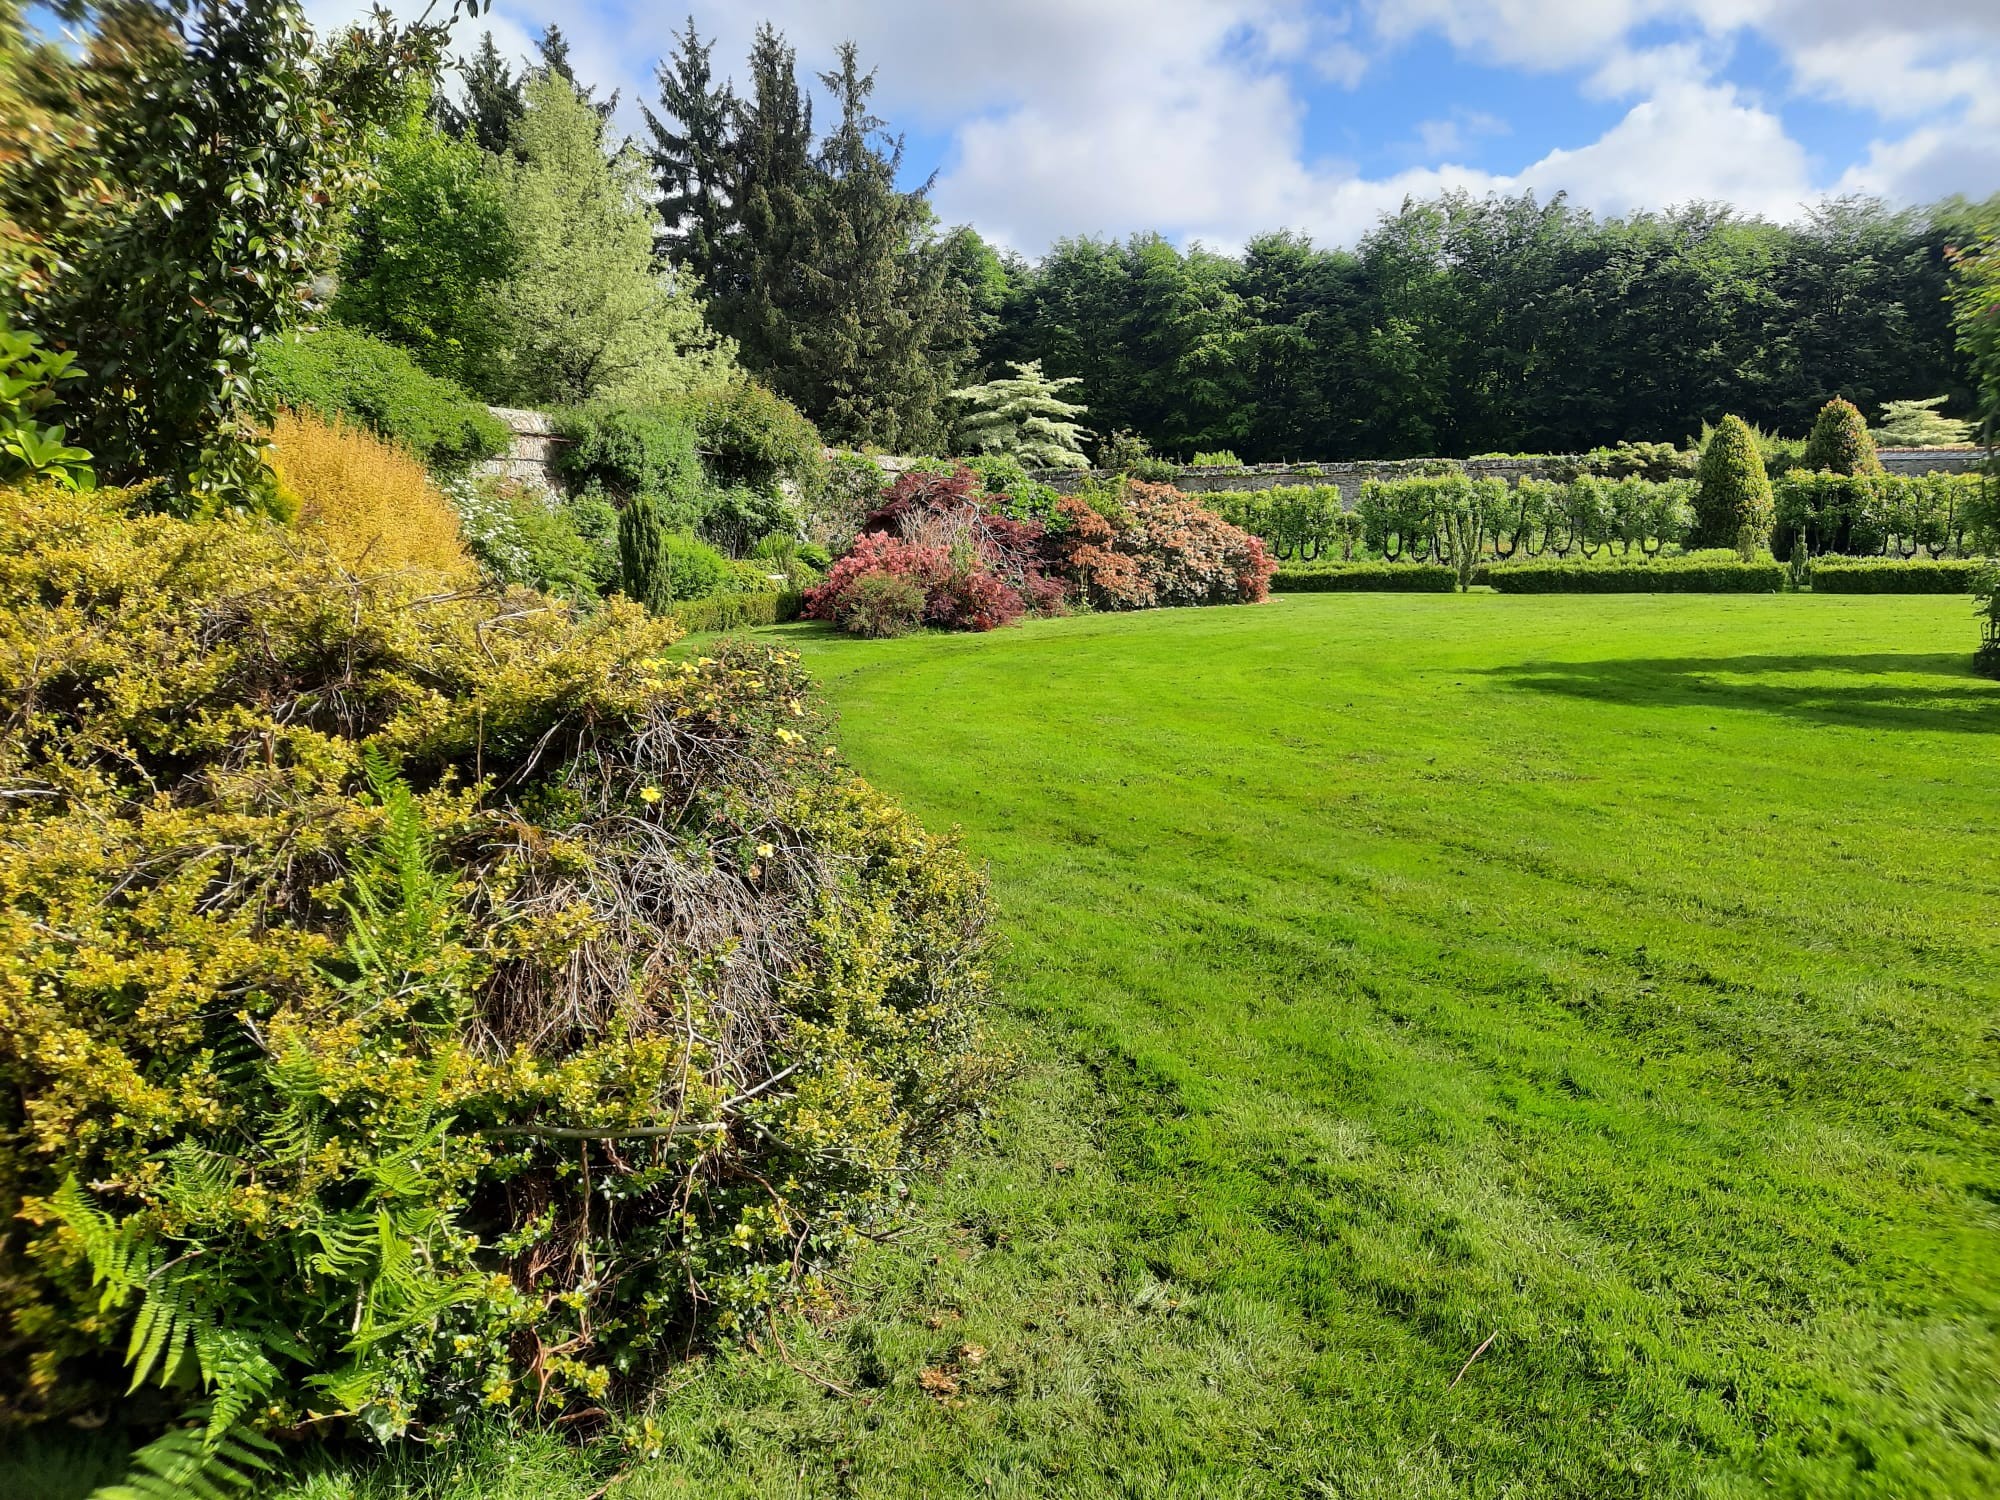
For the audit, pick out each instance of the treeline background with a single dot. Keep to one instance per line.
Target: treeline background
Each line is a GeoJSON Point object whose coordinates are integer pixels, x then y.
{"type": "Point", "coordinates": [1465, 325]}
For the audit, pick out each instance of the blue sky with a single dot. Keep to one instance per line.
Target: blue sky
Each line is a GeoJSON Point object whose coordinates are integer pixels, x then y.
{"type": "Point", "coordinates": [1214, 119]}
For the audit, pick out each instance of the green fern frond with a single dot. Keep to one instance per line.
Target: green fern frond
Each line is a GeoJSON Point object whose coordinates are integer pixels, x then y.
{"type": "Point", "coordinates": [234, 1367]}
{"type": "Point", "coordinates": [163, 1329]}
{"type": "Point", "coordinates": [185, 1464]}
{"type": "Point", "coordinates": [124, 1257]}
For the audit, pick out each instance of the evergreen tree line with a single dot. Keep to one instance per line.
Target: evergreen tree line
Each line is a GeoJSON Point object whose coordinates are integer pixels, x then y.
{"type": "Point", "coordinates": [1465, 325]}
{"type": "Point", "coordinates": [1458, 325]}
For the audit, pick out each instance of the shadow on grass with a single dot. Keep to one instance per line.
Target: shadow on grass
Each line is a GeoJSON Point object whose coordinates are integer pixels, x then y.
{"type": "Point", "coordinates": [1881, 690]}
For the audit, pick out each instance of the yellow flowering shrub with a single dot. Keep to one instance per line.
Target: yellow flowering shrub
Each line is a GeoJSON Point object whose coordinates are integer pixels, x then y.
{"type": "Point", "coordinates": [413, 1000]}
{"type": "Point", "coordinates": [372, 503]}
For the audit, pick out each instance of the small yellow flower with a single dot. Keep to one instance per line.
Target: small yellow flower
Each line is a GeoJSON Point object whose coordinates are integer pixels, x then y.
{"type": "Point", "coordinates": [650, 794]}
{"type": "Point", "coordinates": [765, 851]}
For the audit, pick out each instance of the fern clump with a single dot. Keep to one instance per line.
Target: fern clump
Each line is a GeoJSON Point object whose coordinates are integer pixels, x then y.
{"type": "Point", "coordinates": [414, 1003]}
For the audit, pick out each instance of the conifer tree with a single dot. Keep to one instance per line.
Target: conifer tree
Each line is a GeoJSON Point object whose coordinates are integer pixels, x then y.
{"type": "Point", "coordinates": [1732, 506]}
{"type": "Point", "coordinates": [554, 48]}
{"type": "Point", "coordinates": [585, 313]}
{"type": "Point", "coordinates": [1919, 424]}
{"type": "Point", "coordinates": [1839, 441]}
{"type": "Point", "coordinates": [1025, 417]}
{"type": "Point", "coordinates": [691, 163]}
{"type": "Point", "coordinates": [835, 282]}
{"type": "Point", "coordinates": [492, 102]}
{"type": "Point", "coordinates": [643, 572]}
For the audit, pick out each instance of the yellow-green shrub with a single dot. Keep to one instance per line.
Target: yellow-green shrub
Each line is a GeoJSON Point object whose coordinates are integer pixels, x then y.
{"type": "Point", "coordinates": [414, 1001]}
{"type": "Point", "coordinates": [373, 503]}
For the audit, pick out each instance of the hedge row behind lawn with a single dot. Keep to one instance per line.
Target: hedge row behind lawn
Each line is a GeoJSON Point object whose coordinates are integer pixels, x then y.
{"type": "Point", "coordinates": [1329, 578]}
{"type": "Point", "coordinates": [732, 611]}
{"type": "Point", "coordinates": [1678, 575]}
{"type": "Point", "coordinates": [1894, 575]}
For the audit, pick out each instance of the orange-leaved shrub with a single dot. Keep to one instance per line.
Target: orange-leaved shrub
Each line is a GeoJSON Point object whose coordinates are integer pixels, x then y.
{"type": "Point", "coordinates": [1164, 549]}
{"type": "Point", "coordinates": [374, 504]}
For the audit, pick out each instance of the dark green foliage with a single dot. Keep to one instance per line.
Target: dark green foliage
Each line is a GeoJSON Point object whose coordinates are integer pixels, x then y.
{"type": "Point", "coordinates": [736, 518]}
{"type": "Point", "coordinates": [1362, 577]}
{"type": "Point", "coordinates": [660, 566]}
{"type": "Point", "coordinates": [629, 450]}
{"type": "Point", "coordinates": [691, 153]}
{"type": "Point", "coordinates": [553, 49]}
{"type": "Point", "coordinates": [1710, 573]}
{"type": "Point", "coordinates": [492, 104]}
{"type": "Point", "coordinates": [750, 435]}
{"type": "Point", "coordinates": [642, 553]}
{"type": "Point", "coordinates": [342, 372]}
{"type": "Point", "coordinates": [1896, 575]}
{"type": "Point", "coordinates": [1464, 325]}
{"type": "Point", "coordinates": [1732, 506]}
{"type": "Point", "coordinates": [228, 157]}
{"type": "Point", "coordinates": [1839, 442]}
{"type": "Point", "coordinates": [835, 282]}
{"type": "Point", "coordinates": [1975, 308]}
{"type": "Point", "coordinates": [430, 243]}
{"type": "Point", "coordinates": [1986, 598]}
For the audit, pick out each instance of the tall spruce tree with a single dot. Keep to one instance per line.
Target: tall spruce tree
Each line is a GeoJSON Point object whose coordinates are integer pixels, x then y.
{"type": "Point", "coordinates": [836, 283]}
{"type": "Point", "coordinates": [893, 325]}
{"type": "Point", "coordinates": [755, 290]}
{"type": "Point", "coordinates": [492, 101]}
{"type": "Point", "coordinates": [554, 49]}
{"type": "Point", "coordinates": [691, 163]}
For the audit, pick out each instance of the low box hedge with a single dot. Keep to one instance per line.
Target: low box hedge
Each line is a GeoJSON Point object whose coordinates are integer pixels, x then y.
{"type": "Point", "coordinates": [733, 611]}
{"type": "Point", "coordinates": [1894, 575]}
{"type": "Point", "coordinates": [1332, 578]}
{"type": "Point", "coordinates": [1672, 575]}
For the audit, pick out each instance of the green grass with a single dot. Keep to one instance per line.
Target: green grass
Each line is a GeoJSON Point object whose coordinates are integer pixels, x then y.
{"type": "Point", "coordinates": [1608, 983]}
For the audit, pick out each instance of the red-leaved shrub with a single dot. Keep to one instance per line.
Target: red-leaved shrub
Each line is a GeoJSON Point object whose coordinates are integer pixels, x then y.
{"type": "Point", "coordinates": [1190, 555]}
{"type": "Point", "coordinates": [978, 569]}
{"type": "Point", "coordinates": [1089, 555]}
{"type": "Point", "coordinates": [958, 594]}
{"type": "Point", "coordinates": [1169, 550]}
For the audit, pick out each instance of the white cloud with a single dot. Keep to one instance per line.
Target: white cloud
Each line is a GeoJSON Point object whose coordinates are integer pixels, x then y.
{"type": "Point", "coordinates": [1687, 141]}
{"type": "Point", "coordinates": [1453, 134]}
{"type": "Point", "coordinates": [1189, 116]}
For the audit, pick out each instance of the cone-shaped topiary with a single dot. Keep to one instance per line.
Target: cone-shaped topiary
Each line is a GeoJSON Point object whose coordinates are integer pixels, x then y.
{"type": "Point", "coordinates": [1840, 441]}
{"type": "Point", "coordinates": [1732, 504]}
{"type": "Point", "coordinates": [642, 554]}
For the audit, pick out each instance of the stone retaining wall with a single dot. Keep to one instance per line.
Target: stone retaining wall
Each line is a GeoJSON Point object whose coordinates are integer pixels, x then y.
{"type": "Point", "coordinates": [530, 453]}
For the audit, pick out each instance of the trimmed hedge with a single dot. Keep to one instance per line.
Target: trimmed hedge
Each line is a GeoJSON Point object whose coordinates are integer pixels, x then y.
{"type": "Point", "coordinates": [733, 611]}
{"type": "Point", "coordinates": [1403, 578]}
{"type": "Point", "coordinates": [1690, 575]}
{"type": "Point", "coordinates": [343, 372]}
{"type": "Point", "coordinates": [1894, 575]}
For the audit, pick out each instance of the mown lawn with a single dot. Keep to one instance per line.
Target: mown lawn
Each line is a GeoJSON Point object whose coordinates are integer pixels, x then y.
{"type": "Point", "coordinates": [1611, 985]}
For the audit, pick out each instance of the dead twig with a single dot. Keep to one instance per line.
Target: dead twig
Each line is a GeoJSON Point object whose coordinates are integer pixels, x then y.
{"type": "Point", "coordinates": [1475, 1354]}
